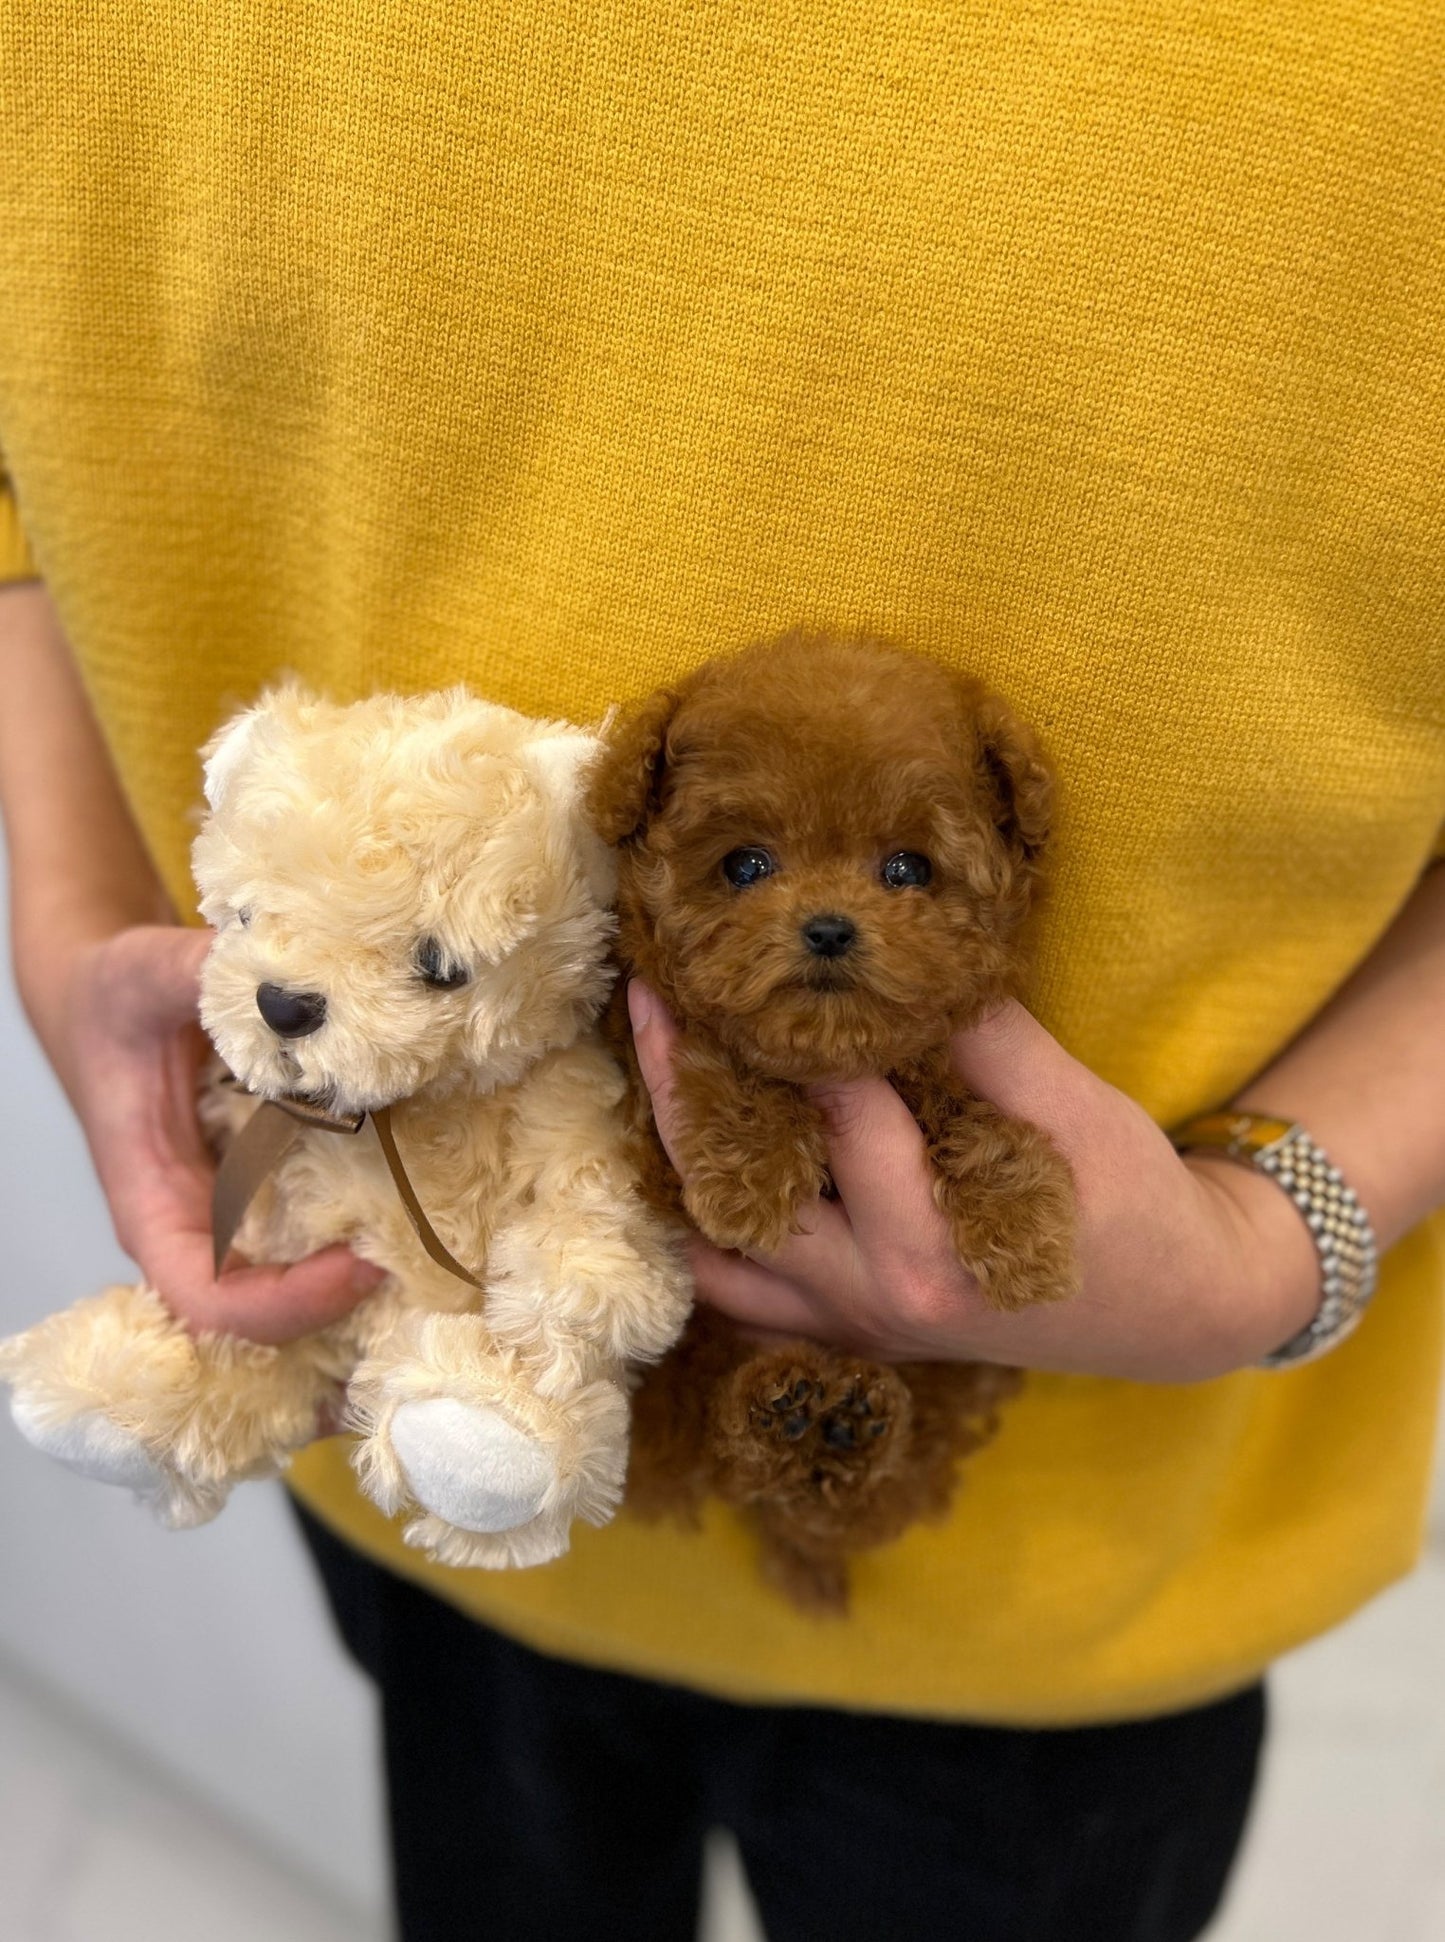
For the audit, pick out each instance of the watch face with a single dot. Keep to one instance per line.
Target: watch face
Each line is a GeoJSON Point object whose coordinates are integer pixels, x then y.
{"type": "Point", "coordinates": [1242, 1134]}
{"type": "Point", "coordinates": [1252, 1132]}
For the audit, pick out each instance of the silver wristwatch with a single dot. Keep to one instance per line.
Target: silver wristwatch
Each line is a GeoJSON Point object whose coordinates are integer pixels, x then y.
{"type": "Point", "coordinates": [1338, 1224]}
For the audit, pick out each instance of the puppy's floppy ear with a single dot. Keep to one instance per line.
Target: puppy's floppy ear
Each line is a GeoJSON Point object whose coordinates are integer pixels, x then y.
{"type": "Point", "coordinates": [626, 784]}
{"type": "Point", "coordinates": [1018, 778]}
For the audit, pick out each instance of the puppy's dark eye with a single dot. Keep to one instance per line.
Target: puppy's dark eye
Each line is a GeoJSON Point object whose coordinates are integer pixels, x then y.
{"type": "Point", "coordinates": [907, 871]}
{"type": "Point", "coordinates": [243, 918]}
{"type": "Point", "coordinates": [433, 969]}
{"type": "Point", "coordinates": [742, 867]}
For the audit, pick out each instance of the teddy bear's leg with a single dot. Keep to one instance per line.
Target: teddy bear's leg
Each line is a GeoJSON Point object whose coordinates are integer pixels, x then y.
{"type": "Point", "coordinates": [452, 1423]}
{"type": "Point", "coordinates": [117, 1389]}
{"type": "Point", "coordinates": [751, 1151]}
{"type": "Point", "coordinates": [1008, 1193]}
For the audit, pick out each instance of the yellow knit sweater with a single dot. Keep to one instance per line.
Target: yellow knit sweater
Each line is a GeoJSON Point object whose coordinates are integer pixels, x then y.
{"type": "Point", "coordinates": [555, 345]}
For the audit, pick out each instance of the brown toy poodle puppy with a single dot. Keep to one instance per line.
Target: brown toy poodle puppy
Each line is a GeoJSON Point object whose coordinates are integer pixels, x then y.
{"type": "Point", "coordinates": [827, 853]}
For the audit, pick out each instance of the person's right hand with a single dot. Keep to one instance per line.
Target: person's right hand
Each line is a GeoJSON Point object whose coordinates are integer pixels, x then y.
{"type": "Point", "coordinates": [131, 1049]}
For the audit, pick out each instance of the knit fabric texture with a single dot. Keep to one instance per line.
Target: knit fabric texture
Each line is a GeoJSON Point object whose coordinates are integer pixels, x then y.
{"type": "Point", "coordinates": [555, 347]}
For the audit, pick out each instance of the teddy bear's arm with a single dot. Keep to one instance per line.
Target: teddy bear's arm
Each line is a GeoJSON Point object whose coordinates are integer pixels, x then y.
{"type": "Point", "coordinates": [581, 1272]}
{"type": "Point", "coordinates": [751, 1150]}
{"type": "Point", "coordinates": [1006, 1189]}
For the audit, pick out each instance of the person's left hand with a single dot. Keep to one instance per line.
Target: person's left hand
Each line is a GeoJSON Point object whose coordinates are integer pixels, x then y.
{"type": "Point", "coordinates": [1188, 1269]}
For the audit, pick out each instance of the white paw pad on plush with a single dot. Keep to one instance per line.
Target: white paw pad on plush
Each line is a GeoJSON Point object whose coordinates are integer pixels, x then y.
{"type": "Point", "coordinates": [89, 1443]}
{"type": "Point", "coordinates": [470, 1466]}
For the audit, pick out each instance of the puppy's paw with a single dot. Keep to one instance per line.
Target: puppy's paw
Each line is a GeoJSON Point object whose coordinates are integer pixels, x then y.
{"type": "Point", "coordinates": [1041, 1268]}
{"type": "Point", "coordinates": [1009, 1196]}
{"type": "Point", "coordinates": [816, 1434]}
{"type": "Point", "coordinates": [750, 1151]}
{"type": "Point", "coordinates": [731, 1213]}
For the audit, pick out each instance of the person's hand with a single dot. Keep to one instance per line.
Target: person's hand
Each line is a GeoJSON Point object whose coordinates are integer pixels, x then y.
{"type": "Point", "coordinates": [132, 1049]}
{"type": "Point", "coordinates": [1187, 1269]}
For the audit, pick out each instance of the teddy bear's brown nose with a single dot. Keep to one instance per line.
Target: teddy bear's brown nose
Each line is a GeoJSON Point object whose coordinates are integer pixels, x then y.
{"type": "Point", "coordinates": [290, 1014]}
{"type": "Point", "coordinates": [829, 936]}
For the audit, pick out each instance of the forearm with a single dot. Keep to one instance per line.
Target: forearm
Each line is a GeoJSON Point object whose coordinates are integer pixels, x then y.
{"type": "Point", "coordinates": [1367, 1077]}
{"type": "Point", "coordinates": [79, 870]}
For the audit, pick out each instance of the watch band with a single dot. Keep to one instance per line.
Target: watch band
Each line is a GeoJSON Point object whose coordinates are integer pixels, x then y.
{"type": "Point", "coordinates": [1339, 1226]}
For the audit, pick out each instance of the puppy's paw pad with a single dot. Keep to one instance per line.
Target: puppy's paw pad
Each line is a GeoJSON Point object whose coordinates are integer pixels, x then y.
{"type": "Point", "coordinates": [469, 1466]}
{"type": "Point", "coordinates": [835, 1428]}
{"type": "Point", "coordinates": [90, 1444]}
{"type": "Point", "coordinates": [789, 1408]}
{"type": "Point", "coordinates": [862, 1416]}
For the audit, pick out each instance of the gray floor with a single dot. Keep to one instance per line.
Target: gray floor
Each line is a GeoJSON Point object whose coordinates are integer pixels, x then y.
{"type": "Point", "coordinates": [1348, 1845]}
{"type": "Point", "coordinates": [95, 1847]}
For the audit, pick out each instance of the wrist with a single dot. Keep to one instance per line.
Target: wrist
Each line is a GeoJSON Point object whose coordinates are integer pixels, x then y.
{"type": "Point", "coordinates": [1272, 1284]}
{"type": "Point", "coordinates": [61, 982]}
{"type": "Point", "coordinates": [46, 982]}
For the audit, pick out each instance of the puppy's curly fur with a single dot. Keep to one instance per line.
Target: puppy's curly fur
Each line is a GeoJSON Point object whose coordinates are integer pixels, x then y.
{"type": "Point", "coordinates": [817, 761]}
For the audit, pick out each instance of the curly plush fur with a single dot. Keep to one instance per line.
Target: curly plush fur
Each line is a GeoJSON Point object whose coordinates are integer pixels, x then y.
{"type": "Point", "coordinates": [831, 757]}
{"type": "Point", "coordinates": [424, 867]}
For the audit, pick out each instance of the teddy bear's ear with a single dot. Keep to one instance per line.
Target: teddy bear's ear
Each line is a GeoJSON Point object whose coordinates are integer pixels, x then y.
{"type": "Point", "coordinates": [563, 760]}
{"type": "Point", "coordinates": [1017, 776]}
{"type": "Point", "coordinates": [223, 754]}
{"type": "Point", "coordinates": [626, 784]}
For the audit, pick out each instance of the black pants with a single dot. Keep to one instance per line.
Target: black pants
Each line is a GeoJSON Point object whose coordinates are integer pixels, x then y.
{"type": "Point", "coordinates": [532, 1800]}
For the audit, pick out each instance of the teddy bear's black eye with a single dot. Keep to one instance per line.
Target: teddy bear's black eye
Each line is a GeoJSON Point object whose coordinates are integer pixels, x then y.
{"type": "Point", "coordinates": [434, 970]}
{"type": "Point", "coordinates": [742, 867]}
{"type": "Point", "coordinates": [907, 871]}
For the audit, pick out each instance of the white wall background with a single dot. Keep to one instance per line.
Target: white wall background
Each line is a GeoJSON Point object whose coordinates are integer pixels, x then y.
{"type": "Point", "coordinates": [209, 1650]}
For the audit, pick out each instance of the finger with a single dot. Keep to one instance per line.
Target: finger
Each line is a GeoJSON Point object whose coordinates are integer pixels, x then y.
{"type": "Point", "coordinates": [656, 1038]}
{"type": "Point", "coordinates": [750, 1293]}
{"type": "Point", "coordinates": [176, 971]}
{"type": "Point", "coordinates": [769, 1339]}
{"type": "Point", "coordinates": [165, 1222]}
{"type": "Point", "coordinates": [274, 1305]}
{"type": "Point", "coordinates": [1009, 1059]}
{"type": "Point", "coordinates": [151, 979]}
{"type": "Point", "coordinates": [879, 1162]}
{"type": "Point", "coordinates": [270, 1305]}
{"type": "Point", "coordinates": [772, 1310]}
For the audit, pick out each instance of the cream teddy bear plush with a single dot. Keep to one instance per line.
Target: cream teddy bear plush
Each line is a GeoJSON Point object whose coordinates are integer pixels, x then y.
{"type": "Point", "coordinates": [411, 913]}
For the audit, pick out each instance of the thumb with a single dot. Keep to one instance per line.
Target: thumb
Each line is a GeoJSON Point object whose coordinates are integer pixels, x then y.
{"type": "Point", "coordinates": [877, 1158]}
{"type": "Point", "coordinates": [1010, 1060]}
{"type": "Point", "coordinates": [181, 951]}
{"type": "Point", "coordinates": [149, 979]}
{"type": "Point", "coordinates": [655, 1040]}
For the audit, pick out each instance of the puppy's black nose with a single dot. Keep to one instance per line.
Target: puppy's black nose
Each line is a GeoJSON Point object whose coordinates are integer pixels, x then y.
{"type": "Point", "coordinates": [829, 936]}
{"type": "Point", "coordinates": [290, 1014]}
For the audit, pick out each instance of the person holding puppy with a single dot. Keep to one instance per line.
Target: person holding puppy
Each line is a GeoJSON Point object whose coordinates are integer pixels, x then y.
{"type": "Point", "coordinates": [1102, 363]}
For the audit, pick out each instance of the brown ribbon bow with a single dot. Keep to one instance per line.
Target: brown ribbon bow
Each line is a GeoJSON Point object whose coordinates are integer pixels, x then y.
{"type": "Point", "coordinates": [270, 1133]}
